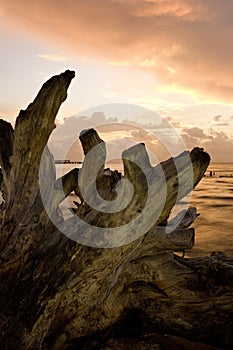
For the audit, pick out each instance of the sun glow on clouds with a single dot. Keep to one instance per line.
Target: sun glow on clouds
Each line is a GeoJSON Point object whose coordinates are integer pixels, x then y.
{"type": "Point", "coordinates": [112, 135]}
{"type": "Point", "coordinates": [177, 8]}
{"type": "Point", "coordinates": [136, 62]}
{"type": "Point", "coordinates": [173, 56]}
{"type": "Point", "coordinates": [53, 58]}
{"type": "Point", "coordinates": [191, 37]}
{"type": "Point", "coordinates": [171, 70]}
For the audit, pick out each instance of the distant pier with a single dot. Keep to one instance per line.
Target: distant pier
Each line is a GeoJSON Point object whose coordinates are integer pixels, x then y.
{"type": "Point", "coordinates": [66, 161]}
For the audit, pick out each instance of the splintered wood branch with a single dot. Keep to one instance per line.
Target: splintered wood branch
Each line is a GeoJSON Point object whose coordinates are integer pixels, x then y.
{"type": "Point", "coordinates": [32, 130]}
{"type": "Point", "coordinates": [66, 184]}
{"type": "Point", "coordinates": [89, 139]}
{"type": "Point", "coordinates": [6, 148]}
{"type": "Point", "coordinates": [157, 188]}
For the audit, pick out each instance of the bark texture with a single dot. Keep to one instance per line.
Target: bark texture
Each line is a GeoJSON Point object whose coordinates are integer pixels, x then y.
{"type": "Point", "coordinates": [60, 294]}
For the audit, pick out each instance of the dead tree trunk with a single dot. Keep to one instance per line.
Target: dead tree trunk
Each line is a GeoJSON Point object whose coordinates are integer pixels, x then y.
{"type": "Point", "coordinates": [59, 294]}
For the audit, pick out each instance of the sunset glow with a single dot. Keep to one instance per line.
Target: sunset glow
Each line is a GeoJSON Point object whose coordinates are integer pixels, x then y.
{"type": "Point", "coordinates": [173, 57]}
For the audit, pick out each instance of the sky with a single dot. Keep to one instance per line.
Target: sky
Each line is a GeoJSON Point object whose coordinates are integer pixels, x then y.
{"type": "Point", "coordinates": [173, 57]}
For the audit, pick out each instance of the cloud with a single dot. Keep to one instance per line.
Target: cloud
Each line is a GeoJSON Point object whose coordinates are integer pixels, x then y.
{"type": "Point", "coordinates": [221, 124]}
{"type": "Point", "coordinates": [122, 134]}
{"type": "Point", "coordinates": [196, 133]}
{"type": "Point", "coordinates": [53, 58]}
{"type": "Point", "coordinates": [185, 44]}
{"type": "Point", "coordinates": [220, 147]}
{"type": "Point", "coordinates": [159, 136]}
{"type": "Point", "coordinates": [218, 144]}
{"type": "Point", "coordinates": [217, 118]}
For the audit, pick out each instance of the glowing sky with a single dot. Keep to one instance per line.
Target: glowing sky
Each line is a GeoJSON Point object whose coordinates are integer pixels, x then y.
{"type": "Point", "coordinates": [172, 56]}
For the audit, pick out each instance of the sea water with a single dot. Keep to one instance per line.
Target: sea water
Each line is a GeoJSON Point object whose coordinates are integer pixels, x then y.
{"type": "Point", "coordinates": [213, 198]}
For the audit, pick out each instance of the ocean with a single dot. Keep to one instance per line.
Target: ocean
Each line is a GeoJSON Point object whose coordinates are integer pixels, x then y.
{"type": "Point", "coordinates": [213, 198]}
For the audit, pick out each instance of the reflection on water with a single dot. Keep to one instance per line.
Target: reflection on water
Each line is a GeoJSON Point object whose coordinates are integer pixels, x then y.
{"type": "Point", "coordinates": [213, 198]}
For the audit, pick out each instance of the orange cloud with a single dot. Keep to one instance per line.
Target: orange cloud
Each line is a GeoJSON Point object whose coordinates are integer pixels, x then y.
{"type": "Point", "coordinates": [183, 43]}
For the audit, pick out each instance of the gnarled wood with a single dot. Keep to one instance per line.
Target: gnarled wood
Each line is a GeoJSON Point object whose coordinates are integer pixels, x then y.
{"type": "Point", "coordinates": [6, 151]}
{"type": "Point", "coordinates": [32, 130]}
{"type": "Point", "coordinates": [59, 294]}
{"type": "Point", "coordinates": [6, 148]}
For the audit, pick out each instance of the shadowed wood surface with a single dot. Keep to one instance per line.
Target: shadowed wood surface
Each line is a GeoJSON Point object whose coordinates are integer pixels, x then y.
{"type": "Point", "coordinates": [60, 294]}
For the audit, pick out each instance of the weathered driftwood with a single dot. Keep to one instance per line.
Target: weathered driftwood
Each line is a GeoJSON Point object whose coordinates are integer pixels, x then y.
{"type": "Point", "coordinates": [1, 177]}
{"type": "Point", "coordinates": [59, 294]}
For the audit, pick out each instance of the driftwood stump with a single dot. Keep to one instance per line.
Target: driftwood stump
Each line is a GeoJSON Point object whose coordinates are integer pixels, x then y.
{"type": "Point", "coordinates": [60, 294]}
